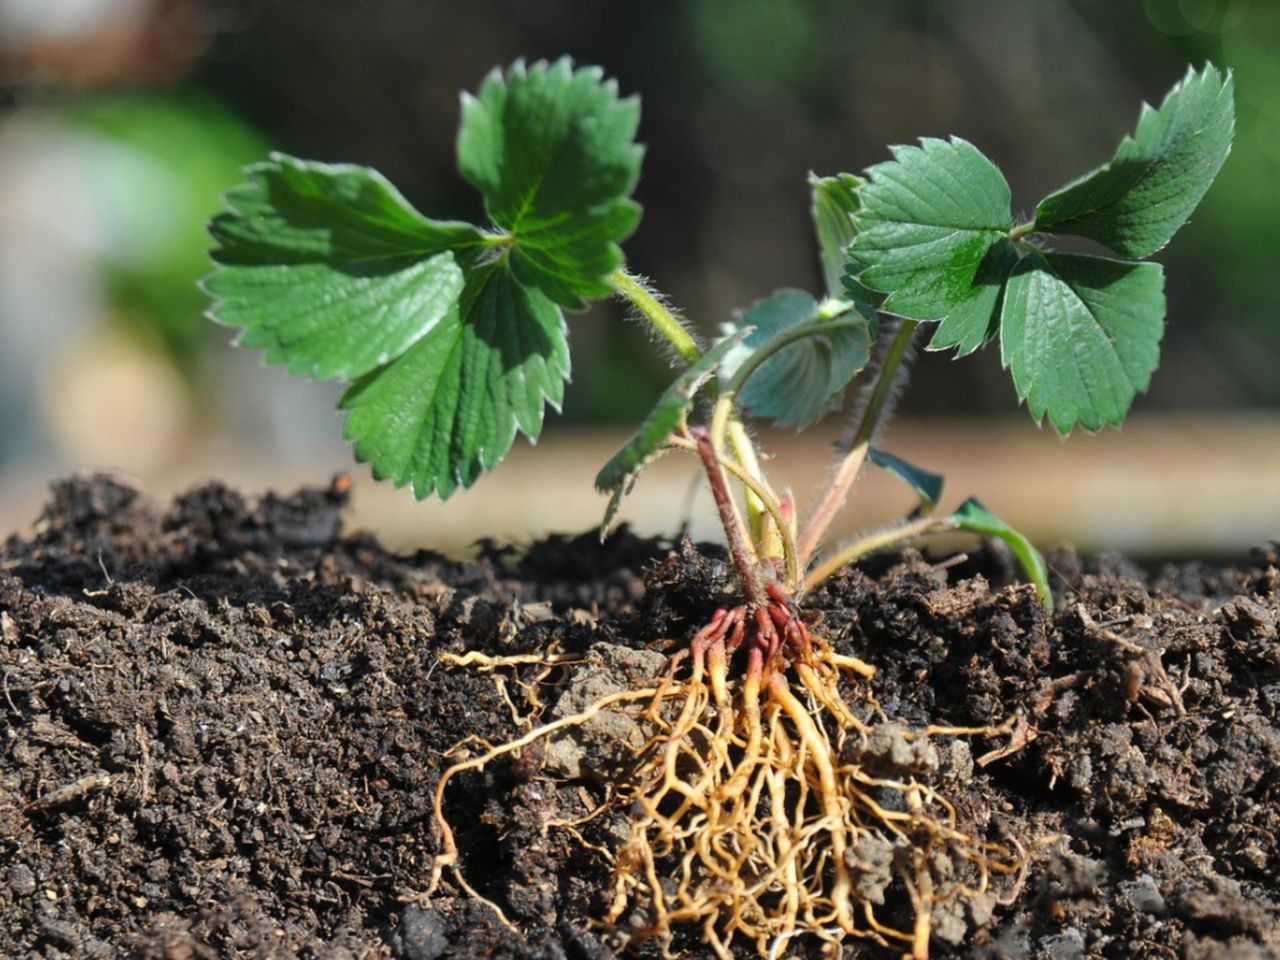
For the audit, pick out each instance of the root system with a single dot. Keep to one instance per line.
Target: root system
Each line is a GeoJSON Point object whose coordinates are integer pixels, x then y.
{"type": "Point", "coordinates": [757, 810]}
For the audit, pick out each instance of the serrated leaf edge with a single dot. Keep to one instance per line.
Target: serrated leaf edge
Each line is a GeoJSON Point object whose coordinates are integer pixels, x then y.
{"type": "Point", "coordinates": [1139, 388]}
{"type": "Point", "coordinates": [276, 160]}
{"type": "Point", "coordinates": [1226, 79]}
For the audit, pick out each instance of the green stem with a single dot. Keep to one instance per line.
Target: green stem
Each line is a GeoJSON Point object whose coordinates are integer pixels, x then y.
{"type": "Point", "coordinates": [851, 465]}
{"type": "Point", "coordinates": [663, 320]}
{"type": "Point", "coordinates": [640, 296]}
{"type": "Point", "coordinates": [744, 452]}
{"type": "Point", "coordinates": [1022, 230]}
{"type": "Point", "coordinates": [723, 419]}
{"type": "Point", "coordinates": [873, 542]}
{"type": "Point", "coordinates": [884, 383]}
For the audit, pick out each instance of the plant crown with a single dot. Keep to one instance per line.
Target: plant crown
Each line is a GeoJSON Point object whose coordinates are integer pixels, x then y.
{"type": "Point", "coordinates": [452, 336]}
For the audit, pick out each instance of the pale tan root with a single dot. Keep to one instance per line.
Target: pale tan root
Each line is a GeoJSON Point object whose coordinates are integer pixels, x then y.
{"type": "Point", "coordinates": [748, 798]}
{"type": "Point", "coordinates": [547, 661]}
{"type": "Point", "coordinates": [448, 856]}
{"type": "Point", "coordinates": [748, 814]}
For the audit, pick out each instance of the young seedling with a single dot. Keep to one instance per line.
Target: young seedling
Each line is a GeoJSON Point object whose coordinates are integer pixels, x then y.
{"type": "Point", "coordinates": [750, 798]}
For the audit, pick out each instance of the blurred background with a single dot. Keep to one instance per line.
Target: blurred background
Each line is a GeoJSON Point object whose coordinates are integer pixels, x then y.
{"type": "Point", "coordinates": [122, 121]}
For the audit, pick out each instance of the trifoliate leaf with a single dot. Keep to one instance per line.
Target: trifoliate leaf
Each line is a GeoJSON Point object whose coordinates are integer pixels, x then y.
{"type": "Point", "coordinates": [1081, 335]}
{"type": "Point", "coordinates": [670, 411]}
{"type": "Point", "coordinates": [328, 269]}
{"type": "Point", "coordinates": [449, 408]}
{"type": "Point", "coordinates": [928, 486]}
{"type": "Point", "coordinates": [976, 518]}
{"type": "Point", "coordinates": [931, 235]}
{"type": "Point", "coordinates": [454, 335]}
{"type": "Point", "coordinates": [806, 380]}
{"type": "Point", "coordinates": [552, 150]}
{"type": "Point", "coordinates": [1137, 202]}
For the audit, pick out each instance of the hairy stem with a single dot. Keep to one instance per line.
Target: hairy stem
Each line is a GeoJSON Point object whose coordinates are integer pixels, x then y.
{"type": "Point", "coordinates": [744, 452]}
{"type": "Point", "coordinates": [723, 420]}
{"type": "Point", "coordinates": [873, 542]}
{"type": "Point", "coordinates": [1022, 230]}
{"type": "Point", "coordinates": [640, 296]}
{"type": "Point", "coordinates": [653, 310]}
{"type": "Point", "coordinates": [734, 530]}
{"type": "Point", "coordinates": [851, 465]}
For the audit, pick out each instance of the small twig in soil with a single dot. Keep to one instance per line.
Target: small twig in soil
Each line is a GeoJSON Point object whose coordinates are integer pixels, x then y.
{"type": "Point", "coordinates": [1023, 734]}
{"type": "Point", "coordinates": [1044, 698]}
{"type": "Point", "coordinates": [45, 731]}
{"type": "Point", "coordinates": [103, 567]}
{"type": "Point", "coordinates": [146, 767]}
{"type": "Point", "coordinates": [70, 792]}
{"type": "Point", "coordinates": [1164, 692]}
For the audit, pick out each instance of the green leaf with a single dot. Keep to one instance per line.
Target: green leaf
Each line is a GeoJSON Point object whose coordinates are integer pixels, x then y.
{"type": "Point", "coordinates": [1138, 201]}
{"type": "Point", "coordinates": [552, 150]}
{"type": "Point", "coordinates": [1081, 335]}
{"type": "Point", "coordinates": [976, 518]}
{"type": "Point", "coordinates": [931, 235]}
{"type": "Point", "coordinates": [806, 380]}
{"type": "Point", "coordinates": [835, 201]}
{"type": "Point", "coordinates": [328, 269]}
{"type": "Point", "coordinates": [928, 486]}
{"type": "Point", "coordinates": [668, 414]}
{"type": "Point", "coordinates": [448, 409]}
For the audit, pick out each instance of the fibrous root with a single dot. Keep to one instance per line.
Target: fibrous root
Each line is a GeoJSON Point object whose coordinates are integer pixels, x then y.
{"type": "Point", "coordinates": [754, 801]}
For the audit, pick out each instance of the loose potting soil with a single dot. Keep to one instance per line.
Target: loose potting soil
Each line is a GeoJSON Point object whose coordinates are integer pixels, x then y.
{"type": "Point", "coordinates": [222, 723]}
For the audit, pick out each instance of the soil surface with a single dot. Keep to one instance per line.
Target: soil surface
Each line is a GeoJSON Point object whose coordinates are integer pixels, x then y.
{"type": "Point", "coordinates": [222, 721]}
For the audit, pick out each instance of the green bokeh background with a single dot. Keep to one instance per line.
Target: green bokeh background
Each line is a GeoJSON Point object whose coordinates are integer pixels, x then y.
{"type": "Point", "coordinates": [741, 98]}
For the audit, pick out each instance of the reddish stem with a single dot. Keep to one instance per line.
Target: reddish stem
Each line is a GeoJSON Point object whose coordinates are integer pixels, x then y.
{"type": "Point", "coordinates": [730, 519]}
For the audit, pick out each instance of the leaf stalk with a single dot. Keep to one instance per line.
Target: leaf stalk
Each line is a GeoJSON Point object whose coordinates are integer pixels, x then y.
{"type": "Point", "coordinates": [735, 531]}
{"type": "Point", "coordinates": [669, 326]}
{"type": "Point", "coordinates": [769, 504]}
{"type": "Point", "coordinates": [850, 466]}
{"type": "Point", "coordinates": [873, 542]}
{"type": "Point", "coordinates": [635, 292]}
{"type": "Point", "coordinates": [1022, 230]}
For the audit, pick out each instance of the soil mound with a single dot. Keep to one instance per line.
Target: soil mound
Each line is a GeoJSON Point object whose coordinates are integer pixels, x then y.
{"type": "Point", "coordinates": [223, 721]}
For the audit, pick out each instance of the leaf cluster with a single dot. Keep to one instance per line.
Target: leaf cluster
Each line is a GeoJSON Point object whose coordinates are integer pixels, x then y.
{"type": "Point", "coordinates": [452, 336]}
{"type": "Point", "coordinates": [1080, 333]}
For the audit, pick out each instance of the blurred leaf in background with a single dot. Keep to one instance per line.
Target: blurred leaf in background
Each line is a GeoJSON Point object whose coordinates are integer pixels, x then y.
{"type": "Point", "coordinates": [174, 155]}
{"type": "Point", "coordinates": [110, 165]}
{"type": "Point", "coordinates": [1239, 234]}
{"type": "Point", "coordinates": [102, 241]}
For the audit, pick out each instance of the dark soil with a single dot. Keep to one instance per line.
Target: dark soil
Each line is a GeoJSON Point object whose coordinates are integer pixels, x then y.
{"type": "Point", "coordinates": [222, 722]}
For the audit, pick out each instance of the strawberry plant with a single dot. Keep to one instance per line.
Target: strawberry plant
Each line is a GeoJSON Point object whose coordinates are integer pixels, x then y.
{"type": "Point", "coordinates": [453, 338]}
